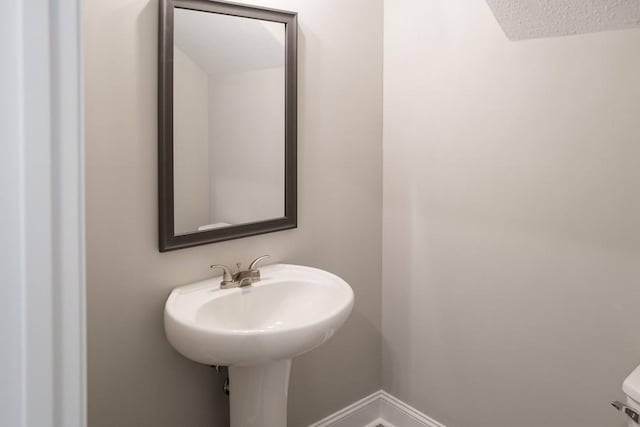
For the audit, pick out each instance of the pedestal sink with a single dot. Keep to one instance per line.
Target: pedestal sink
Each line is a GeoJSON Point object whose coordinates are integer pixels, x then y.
{"type": "Point", "coordinates": [256, 331]}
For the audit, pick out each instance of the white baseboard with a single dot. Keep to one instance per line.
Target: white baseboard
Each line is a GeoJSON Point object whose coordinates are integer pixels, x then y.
{"type": "Point", "coordinates": [361, 413]}
{"type": "Point", "coordinates": [399, 414]}
{"type": "Point", "coordinates": [380, 408]}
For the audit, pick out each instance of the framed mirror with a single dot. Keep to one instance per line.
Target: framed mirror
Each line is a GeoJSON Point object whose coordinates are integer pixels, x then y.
{"type": "Point", "coordinates": [227, 101]}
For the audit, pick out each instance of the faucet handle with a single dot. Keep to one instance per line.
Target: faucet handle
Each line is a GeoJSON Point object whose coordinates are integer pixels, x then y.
{"type": "Point", "coordinates": [255, 262]}
{"type": "Point", "coordinates": [227, 275]}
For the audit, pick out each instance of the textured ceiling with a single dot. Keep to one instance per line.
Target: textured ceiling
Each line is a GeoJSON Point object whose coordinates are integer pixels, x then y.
{"type": "Point", "coordinates": [529, 19]}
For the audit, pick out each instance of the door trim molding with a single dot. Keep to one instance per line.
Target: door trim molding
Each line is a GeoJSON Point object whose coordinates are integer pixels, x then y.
{"type": "Point", "coordinates": [42, 194]}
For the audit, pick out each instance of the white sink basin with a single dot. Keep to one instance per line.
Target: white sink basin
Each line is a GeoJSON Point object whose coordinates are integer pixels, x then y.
{"type": "Point", "coordinates": [256, 330]}
{"type": "Point", "coordinates": [292, 310]}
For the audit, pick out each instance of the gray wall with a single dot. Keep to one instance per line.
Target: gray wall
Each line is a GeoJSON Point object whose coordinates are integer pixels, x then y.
{"type": "Point", "coordinates": [242, 106]}
{"type": "Point", "coordinates": [191, 130]}
{"type": "Point", "coordinates": [135, 378]}
{"type": "Point", "coordinates": [511, 219]}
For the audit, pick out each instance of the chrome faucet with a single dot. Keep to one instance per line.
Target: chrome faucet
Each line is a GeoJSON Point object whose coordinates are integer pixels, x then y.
{"type": "Point", "coordinates": [241, 278]}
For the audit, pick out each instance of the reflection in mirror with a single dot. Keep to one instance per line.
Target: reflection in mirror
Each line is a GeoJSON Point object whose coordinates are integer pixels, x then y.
{"type": "Point", "coordinates": [228, 120]}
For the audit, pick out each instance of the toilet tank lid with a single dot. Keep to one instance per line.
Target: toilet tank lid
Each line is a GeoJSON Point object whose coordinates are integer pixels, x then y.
{"type": "Point", "coordinates": [631, 385]}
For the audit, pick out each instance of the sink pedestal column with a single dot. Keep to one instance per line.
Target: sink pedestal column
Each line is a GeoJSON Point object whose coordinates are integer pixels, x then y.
{"type": "Point", "coordinates": [258, 394]}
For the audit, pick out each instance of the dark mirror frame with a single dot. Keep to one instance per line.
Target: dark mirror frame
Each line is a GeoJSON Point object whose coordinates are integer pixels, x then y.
{"type": "Point", "coordinates": [168, 239]}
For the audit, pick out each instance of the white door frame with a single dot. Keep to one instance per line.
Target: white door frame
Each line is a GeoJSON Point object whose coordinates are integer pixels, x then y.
{"type": "Point", "coordinates": [42, 285]}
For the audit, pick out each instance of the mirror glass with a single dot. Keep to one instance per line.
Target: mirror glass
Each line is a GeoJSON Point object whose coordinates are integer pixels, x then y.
{"type": "Point", "coordinates": [228, 120]}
